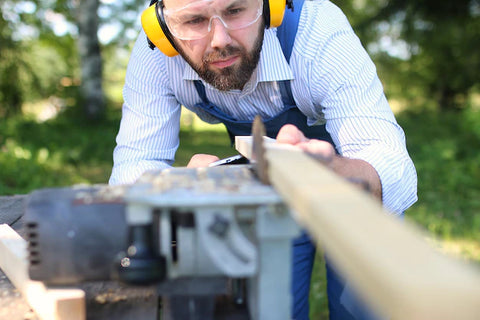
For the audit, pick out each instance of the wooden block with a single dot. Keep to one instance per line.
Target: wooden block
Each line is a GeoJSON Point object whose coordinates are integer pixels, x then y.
{"type": "Point", "coordinates": [386, 260]}
{"type": "Point", "coordinates": [48, 304]}
{"type": "Point", "coordinates": [243, 144]}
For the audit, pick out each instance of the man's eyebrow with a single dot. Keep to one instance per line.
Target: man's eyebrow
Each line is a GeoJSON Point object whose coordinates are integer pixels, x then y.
{"type": "Point", "coordinates": [235, 3]}
{"type": "Point", "coordinates": [188, 16]}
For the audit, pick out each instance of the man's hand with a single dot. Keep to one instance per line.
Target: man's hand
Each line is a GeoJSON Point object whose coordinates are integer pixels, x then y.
{"type": "Point", "coordinates": [289, 134]}
{"type": "Point", "coordinates": [354, 169]}
{"type": "Point", "coordinates": [201, 160]}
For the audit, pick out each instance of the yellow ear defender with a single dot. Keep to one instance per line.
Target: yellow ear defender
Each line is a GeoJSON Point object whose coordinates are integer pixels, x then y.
{"type": "Point", "coordinates": [158, 35]}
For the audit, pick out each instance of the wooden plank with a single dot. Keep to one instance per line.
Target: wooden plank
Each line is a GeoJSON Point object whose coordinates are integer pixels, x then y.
{"type": "Point", "coordinates": [387, 260]}
{"type": "Point", "coordinates": [243, 144]}
{"type": "Point", "coordinates": [48, 304]}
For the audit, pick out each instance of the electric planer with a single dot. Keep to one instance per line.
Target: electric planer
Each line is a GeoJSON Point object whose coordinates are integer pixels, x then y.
{"type": "Point", "coordinates": [200, 235]}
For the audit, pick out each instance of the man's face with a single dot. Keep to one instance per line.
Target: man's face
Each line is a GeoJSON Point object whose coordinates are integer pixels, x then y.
{"type": "Point", "coordinates": [224, 58]}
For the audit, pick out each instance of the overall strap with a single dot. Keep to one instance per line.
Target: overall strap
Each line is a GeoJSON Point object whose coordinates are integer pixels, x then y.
{"type": "Point", "coordinates": [201, 90]}
{"type": "Point", "coordinates": [287, 31]}
{"type": "Point", "coordinates": [286, 34]}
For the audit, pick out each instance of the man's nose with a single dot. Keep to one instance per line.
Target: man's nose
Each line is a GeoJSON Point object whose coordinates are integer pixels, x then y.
{"type": "Point", "coordinates": [220, 35]}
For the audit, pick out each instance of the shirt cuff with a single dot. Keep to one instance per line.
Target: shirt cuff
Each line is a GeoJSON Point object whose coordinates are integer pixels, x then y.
{"type": "Point", "coordinates": [397, 176]}
{"type": "Point", "coordinates": [128, 173]}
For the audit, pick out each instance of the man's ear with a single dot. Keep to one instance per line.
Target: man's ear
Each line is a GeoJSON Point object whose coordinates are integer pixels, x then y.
{"type": "Point", "coordinates": [273, 11]}
{"type": "Point", "coordinates": [156, 30]}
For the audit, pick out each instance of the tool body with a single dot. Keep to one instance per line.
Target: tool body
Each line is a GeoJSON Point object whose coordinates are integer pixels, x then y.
{"type": "Point", "coordinates": [194, 233]}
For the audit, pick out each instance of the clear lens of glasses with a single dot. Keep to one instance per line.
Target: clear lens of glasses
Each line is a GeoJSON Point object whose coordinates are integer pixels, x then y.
{"type": "Point", "coordinates": [194, 21]}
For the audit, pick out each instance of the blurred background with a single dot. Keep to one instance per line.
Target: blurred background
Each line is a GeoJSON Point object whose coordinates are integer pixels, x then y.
{"type": "Point", "coordinates": [62, 66]}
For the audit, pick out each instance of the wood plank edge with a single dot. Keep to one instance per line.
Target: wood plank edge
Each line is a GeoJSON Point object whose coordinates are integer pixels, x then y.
{"type": "Point", "coordinates": [48, 304]}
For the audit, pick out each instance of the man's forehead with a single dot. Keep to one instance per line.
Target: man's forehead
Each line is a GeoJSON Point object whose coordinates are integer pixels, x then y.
{"type": "Point", "coordinates": [178, 4]}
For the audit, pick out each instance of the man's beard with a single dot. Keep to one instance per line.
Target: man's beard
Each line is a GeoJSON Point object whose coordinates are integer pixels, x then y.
{"type": "Point", "coordinates": [232, 77]}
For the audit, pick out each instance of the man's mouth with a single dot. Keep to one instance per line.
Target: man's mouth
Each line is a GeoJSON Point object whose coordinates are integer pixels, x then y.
{"type": "Point", "coordinates": [224, 63]}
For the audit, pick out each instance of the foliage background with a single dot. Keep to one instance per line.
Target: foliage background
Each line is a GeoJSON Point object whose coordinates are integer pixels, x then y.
{"type": "Point", "coordinates": [426, 52]}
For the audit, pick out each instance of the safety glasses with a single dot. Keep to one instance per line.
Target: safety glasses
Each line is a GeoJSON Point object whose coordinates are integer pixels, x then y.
{"type": "Point", "coordinates": [194, 21]}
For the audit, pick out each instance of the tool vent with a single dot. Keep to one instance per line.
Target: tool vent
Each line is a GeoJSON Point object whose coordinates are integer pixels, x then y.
{"type": "Point", "coordinates": [33, 248]}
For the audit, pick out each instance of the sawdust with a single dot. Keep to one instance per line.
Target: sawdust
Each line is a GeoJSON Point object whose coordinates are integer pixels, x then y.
{"type": "Point", "coordinates": [109, 297]}
{"type": "Point", "coordinates": [12, 304]}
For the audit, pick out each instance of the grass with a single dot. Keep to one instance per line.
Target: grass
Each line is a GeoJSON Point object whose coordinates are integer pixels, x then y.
{"type": "Point", "coordinates": [444, 146]}
{"type": "Point", "coordinates": [69, 150]}
{"type": "Point", "coordinates": [197, 136]}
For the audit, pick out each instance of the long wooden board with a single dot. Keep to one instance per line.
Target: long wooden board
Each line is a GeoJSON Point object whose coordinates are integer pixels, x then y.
{"type": "Point", "coordinates": [385, 259]}
{"type": "Point", "coordinates": [48, 304]}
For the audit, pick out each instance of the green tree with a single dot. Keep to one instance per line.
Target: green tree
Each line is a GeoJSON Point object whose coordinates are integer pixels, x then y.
{"type": "Point", "coordinates": [90, 56]}
{"type": "Point", "coordinates": [11, 95]}
{"type": "Point", "coordinates": [441, 41]}
{"type": "Point", "coordinates": [39, 59]}
{"type": "Point", "coordinates": [35, 62]}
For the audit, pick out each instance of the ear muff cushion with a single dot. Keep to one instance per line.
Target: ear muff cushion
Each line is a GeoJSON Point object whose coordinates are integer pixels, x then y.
{"type": "Point", "coordinates": [277, 10]}
{"type": "Point", "coordinates": [154, 32]}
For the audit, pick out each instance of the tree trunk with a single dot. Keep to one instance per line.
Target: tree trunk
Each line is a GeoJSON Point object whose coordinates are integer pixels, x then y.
{"type": "Point", "coordinates": [90, 58]}
{"type": "Point", "coordinates": [446, 99]}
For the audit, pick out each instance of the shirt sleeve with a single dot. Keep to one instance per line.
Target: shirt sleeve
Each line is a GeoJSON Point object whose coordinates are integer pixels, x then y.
{"type": "Point", "coordinates": [149, 129]}
{"type": "Point", "coordinates": [350, 96]}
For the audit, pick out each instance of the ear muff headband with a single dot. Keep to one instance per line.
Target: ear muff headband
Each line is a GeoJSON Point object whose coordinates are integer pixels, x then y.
{"type": "Point", "coordinates": [158, 34]}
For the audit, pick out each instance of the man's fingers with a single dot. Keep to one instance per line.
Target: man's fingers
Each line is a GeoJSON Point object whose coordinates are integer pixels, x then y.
{"type": "Point", "coordinates": [319, 149]}
{"type": "Point", "coordinates": [201, 160]}
{"type": "Point", "coordinates": [290, 134]}
{"type": "Point", "coordinates": [322, 150]}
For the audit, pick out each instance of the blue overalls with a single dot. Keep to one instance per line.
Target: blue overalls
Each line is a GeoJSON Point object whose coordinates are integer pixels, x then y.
{"type": "Point", "coordinates": [303, 249]}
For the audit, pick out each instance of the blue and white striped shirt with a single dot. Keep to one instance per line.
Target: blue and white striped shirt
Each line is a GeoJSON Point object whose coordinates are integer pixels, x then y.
{"type": "Point", "coordinates": [333, 80]}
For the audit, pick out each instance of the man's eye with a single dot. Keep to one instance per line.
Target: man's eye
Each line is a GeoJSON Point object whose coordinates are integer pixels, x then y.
{"type": "Point", "coordinates": [235, 11]}
{"type": "Point", "coordinates": [195, 21]}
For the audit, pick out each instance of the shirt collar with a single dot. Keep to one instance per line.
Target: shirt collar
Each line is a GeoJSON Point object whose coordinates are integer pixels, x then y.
{"type": "Point", "coordinates": [272, 65]}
